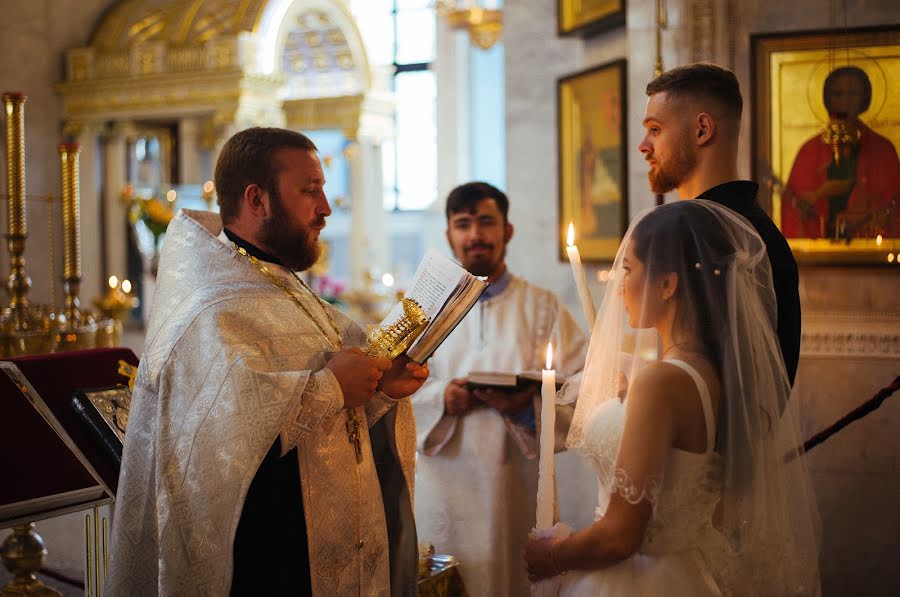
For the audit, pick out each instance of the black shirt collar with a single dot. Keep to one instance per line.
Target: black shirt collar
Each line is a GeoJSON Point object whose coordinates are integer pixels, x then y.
{"type": "Point", "coordinates": [734, 195]}
{"type": "Point", "coordinates": [251, 249]}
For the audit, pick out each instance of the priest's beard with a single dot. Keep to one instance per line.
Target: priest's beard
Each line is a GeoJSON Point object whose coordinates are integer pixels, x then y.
{"type": "Point", "coordinates": [669, 175]}
{"type": "Point", "coordinates": [292, 245]}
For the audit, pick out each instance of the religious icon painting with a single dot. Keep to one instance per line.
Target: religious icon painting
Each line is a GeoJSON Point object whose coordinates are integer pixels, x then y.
{"type": "Point", "coordinates": [826, 134]}
{"type": "Point", "coordinates": [589, 17]}
{"type": "Point", "coordinates": [593, 163]}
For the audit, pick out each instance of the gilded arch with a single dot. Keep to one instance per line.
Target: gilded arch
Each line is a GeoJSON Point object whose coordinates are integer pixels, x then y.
{"type": "Point", "coordinates": [300, 63]}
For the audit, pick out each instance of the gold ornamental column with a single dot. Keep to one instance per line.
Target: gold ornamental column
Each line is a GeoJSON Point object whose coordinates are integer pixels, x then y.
{"type": "Point", "coordinates": [17, 231]}
{"type": "Point", "coordinates": [22, 330]}
{"type": "Point", "coordinates": [78, 330]}
{"type": "Point", "coordinates": [71, 198]}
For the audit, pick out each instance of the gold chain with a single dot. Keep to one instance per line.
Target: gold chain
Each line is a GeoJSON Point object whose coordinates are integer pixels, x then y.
{"type": "Point", "coordinates": [353, 424]}
{"type": "Point", "coordinates": [280, 283]}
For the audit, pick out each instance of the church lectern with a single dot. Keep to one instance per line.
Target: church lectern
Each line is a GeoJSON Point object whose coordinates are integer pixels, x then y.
{"type": "Point", "coordinates": [53, 461]}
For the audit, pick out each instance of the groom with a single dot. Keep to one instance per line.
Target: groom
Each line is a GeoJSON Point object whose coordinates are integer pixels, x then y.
{"type": "Point", "coordinates": [693, 122]}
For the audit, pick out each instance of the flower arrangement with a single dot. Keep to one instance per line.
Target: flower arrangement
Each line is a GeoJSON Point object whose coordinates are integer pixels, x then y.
{"type": "Point", "coordinates": [330, 289]}
{"type": "Point", "coordinates": [155, 213]}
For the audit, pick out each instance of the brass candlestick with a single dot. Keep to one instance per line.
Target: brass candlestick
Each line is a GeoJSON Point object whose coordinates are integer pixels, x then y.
{"type": "Point", "coordinates": [78, 330]}
{"type": "Point", "coordinates": [22, 330]}
{"type": "Point", "coordinates": [19, 282]}
{"type": "Point", "coordinates": [71, 198]}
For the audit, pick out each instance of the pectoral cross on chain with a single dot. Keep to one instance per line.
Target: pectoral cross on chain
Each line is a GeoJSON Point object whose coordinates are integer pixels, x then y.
{"type": "Point", "coordinates": [353, 434]}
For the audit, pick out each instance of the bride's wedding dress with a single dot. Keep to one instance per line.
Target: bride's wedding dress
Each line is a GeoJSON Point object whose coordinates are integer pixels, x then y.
{"type": "Point", "coordinates": [682, 554]}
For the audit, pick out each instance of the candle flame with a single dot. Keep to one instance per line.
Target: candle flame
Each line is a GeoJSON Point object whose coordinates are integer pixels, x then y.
{"type": "Point", "coordinates": [549, 355]}
{"type": "Point", "coordinates": [113, 282]}
{"type": "Point", "coordinates": [208, 186]}
{"type": "Point", "coordinates": [570, 235]}
{"type": "Point", "coordinates": [126, 286]}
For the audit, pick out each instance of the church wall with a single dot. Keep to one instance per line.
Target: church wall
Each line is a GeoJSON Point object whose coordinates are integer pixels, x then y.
{"type": "Point", "coordinates": [851, 321]}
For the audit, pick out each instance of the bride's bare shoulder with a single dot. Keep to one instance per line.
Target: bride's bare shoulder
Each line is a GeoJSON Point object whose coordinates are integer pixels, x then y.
{"type": "Point", "coordinates": [657, 381]}
{"type": "Point", "coordinates": [660, 380]}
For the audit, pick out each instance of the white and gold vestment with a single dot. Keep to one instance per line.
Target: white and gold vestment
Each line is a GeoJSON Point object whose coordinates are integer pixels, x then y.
{"type": "Point", "coordinates": [232, 363]}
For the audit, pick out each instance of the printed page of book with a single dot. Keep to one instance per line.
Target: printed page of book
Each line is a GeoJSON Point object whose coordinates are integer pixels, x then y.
{"type": "Point", "coordinates": [435, 280]}
{"type": "Point", "coordinates": [446, 292]}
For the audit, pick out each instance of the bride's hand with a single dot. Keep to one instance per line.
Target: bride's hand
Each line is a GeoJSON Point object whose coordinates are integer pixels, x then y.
{"type": "Point", "coordinates": [538, 562]}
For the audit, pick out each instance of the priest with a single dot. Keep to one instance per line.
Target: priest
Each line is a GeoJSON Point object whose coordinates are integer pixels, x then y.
{"type": "Point", "coordinates": [477, 468]}
{"type": "Point", "coordinates": [266, 454]}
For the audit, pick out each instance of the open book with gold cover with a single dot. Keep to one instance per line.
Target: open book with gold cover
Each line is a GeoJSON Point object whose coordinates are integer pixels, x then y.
{"type": "Point", "coordinates": [440, 294]}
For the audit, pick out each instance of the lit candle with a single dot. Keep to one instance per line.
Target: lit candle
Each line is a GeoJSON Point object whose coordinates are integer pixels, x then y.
{"type": "Point", "coordinates": [113, 282]}
{"type": "Point", "coordinates": [584, 292]}
{"type": "Point", "coordinates": [545, 494]}
{"type": "Point", "coordinates": [126, 286]}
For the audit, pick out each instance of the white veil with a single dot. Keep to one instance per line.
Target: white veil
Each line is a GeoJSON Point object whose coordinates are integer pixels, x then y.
{"type": "Point", "coordinates": [725, 300]}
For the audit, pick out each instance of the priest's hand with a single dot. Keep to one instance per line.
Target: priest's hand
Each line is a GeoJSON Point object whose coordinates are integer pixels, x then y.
{"type": "Point", "coordinates": [404, 377]}
{"type": "Point", "coordinates": [458, 400]}
{"type": "Point", "coordinates": [506, 403]}
{"type": "Point", "coordinates": [358, 375]}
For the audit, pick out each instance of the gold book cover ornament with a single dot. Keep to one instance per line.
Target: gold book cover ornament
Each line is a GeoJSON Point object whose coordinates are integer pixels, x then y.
{"type": "Point", "coordinates": [392, 340]}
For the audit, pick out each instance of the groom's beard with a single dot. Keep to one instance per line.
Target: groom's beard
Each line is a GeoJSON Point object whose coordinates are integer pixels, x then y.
{"type": "Point", "coordinates": [669, 175]}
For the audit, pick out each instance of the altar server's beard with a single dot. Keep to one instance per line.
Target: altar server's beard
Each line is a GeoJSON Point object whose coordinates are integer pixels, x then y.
{"type": "Point", "coordinates": [485, 265]}
{"type": "Point", "coordinates": [292, 245]}
{"type": "Point", "coordinates": [667, 176]}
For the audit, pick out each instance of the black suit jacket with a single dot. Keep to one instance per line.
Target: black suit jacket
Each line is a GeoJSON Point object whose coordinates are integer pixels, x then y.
{"type": "Point", "coordinates": [740, 196]}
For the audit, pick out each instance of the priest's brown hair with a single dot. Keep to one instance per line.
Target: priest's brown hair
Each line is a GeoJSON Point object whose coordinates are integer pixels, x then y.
{"type": "Point", "coordinates": [248, 157]}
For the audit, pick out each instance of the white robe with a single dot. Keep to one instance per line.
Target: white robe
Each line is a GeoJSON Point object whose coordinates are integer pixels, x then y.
{"type": "Point", "coordinates": [475, 488]}
{"type": "Point", "coordinates": [231, 363]}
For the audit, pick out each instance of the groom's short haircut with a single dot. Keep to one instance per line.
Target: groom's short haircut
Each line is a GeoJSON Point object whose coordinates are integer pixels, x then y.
{"type": "Point", "coordinates": [466, 197]}
{"type": "Point", "coordinates": [702, 81]}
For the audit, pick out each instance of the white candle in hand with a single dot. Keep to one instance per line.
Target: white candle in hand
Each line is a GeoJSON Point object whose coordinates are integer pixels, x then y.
{"type": "Point", "coordinates": [546, 489]}
{"type": "Point", "coordinates": [584, 291]}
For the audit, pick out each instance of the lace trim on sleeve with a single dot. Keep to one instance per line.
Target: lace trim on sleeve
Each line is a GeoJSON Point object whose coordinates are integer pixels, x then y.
{"type": "Point", "coordinates": [616, 479]}
{"type": "Point", "coordinates": [622, 484]}
{"type": "Point", "coordinates": [321, 398]}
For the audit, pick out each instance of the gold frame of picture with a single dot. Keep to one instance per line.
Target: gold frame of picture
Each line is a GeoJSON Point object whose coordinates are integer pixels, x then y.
{"type": "Point", "coordinates": [788, 72]}
{"type": "Point", "coordinates": [589, 17]}
{"type": "Point", "coordinates": [593, 141]}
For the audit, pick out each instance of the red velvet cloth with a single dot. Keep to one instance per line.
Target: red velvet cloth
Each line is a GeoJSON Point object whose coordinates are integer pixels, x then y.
{"type": "Point", "coordinates": [36, 463]}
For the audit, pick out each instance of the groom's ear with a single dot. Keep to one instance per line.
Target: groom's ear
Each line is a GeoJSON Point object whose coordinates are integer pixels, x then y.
{"type": "Point", "coordinates": [668, 285]}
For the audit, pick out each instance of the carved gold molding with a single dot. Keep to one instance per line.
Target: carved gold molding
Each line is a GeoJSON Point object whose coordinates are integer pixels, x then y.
{"type": "Point", "coordinates": [150, 94]}
{"type": "Point", "coordinates": [324, 113]}
{"type": "Point", "coordinates": [237, 52]}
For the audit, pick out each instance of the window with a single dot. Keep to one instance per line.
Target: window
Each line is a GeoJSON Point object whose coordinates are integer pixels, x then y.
{"type": "Point", "coordinates": [401, 33]}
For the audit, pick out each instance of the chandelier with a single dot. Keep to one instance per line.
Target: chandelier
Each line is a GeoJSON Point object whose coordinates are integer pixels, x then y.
{"type": "Point", "coordinates": [483, 24]}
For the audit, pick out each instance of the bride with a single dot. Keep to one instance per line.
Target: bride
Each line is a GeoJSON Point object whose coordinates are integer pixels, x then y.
{"type": "Point", "coordinates": [701, 488]}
